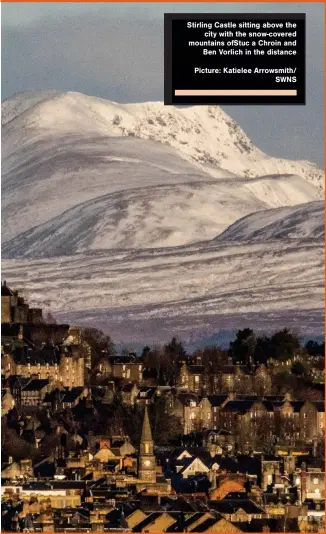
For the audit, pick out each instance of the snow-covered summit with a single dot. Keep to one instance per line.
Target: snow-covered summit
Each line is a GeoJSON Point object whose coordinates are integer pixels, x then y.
{"type": "Point", "coordinates": [205, 135]}
{"type": "Point", "coordinates": [104, 204]}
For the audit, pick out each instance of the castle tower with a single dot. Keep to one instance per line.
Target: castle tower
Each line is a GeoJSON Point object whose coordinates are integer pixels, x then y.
{"type": "Point", "coordinates": [146, 459]}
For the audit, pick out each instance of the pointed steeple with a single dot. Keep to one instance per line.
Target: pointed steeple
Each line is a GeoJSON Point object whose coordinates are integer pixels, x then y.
{"type": "Point", "coordinates": [146, 459]}
{"type": "Point", "coordinates": [146, 434]}
{"type": "Point", "coordinates": [123, 521]}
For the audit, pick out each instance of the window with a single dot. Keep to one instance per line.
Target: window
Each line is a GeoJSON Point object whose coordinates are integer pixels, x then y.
{"type": "Point", "coordinates": [215, 409]}
{"type": "Point", "coordinates": [123, 367]}
{"type": "Point", "coordinates": [316, 480]}
{"type": "Point", "coordinates": [192, 415]}
{"type": "Point", "coordinates": [305, 415]}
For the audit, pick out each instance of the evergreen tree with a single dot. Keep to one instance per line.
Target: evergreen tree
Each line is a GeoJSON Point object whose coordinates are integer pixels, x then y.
{"type": "Point", "coordinates": [242, 349]}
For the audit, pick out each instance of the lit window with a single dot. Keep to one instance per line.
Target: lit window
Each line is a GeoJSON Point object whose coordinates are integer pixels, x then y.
{"type": "Point", "coordinates": [123, 367]}
{"type": "Point", "coordinates": [197, 378]}
{"type": "Point", "coordinates": [316, 480]}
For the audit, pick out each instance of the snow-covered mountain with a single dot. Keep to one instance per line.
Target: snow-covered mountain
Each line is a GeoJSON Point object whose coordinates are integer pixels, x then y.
{"type": "Point", "coordinates": [66, 151]}
{"type": "Point", "coordinates": [144, 187]}
{"type": "Point", "coordinates": [205, 135]}
{"type": "Point", "coordinates": [158, 216]}
{"type": "Point", "coordinates": [193, 290]}
{"type": "Point", "coordinates": [305, 221]}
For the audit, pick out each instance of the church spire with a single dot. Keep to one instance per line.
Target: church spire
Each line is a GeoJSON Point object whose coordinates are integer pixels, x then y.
{"type": "Point", "coordinates": [146, 434]}
{"type": "Point", "coordinates": [146, 459]}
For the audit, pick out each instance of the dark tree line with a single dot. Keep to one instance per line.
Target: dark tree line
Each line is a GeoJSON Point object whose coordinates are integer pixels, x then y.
{"type": "Point", "coordinates": [248, 349]}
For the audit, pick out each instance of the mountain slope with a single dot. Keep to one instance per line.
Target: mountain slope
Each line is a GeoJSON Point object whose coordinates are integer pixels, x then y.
{"type": "Point", "coordinates": [150, 217]}
{"type": "Point", "coordinates": [205, 135]}
{"type": "Point", "coordinates": [62, 152]}
{"type": "Point", "coordinates": [145, 218]}
{"type": "Point", "coordinates": [193, 289]}
{"type": "Point", "coordinates": [299, 222]}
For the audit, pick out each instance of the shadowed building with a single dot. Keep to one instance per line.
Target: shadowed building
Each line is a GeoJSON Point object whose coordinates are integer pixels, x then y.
{"type": "Point", "coordinates": [150, 475]}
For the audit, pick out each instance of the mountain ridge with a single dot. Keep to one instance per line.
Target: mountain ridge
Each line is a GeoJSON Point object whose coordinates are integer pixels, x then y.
{"type": "Point", "coordinates": [107, 203]}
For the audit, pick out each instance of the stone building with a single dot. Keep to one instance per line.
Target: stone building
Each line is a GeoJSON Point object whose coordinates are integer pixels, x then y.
{"type": "Point", "coordinates": [312, 483]}
{"type": "Point", "coordinates": [312, 421]}
{"type": "Point", "coordinates": [192, 378]}
{"type": "Point", "coordinates": [150, 475]}
{"type": "Point", "coordinates": [147, 461]}
{"type": "Point", "coordinates": [64, 365]}
{"type": "Point", "coordinates": [14, 308]}
{"type": "Point", "coordinates": [261, 381]}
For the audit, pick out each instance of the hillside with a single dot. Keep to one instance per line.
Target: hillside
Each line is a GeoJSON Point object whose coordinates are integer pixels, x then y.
{"type": "Point", "coordinates": [63, 152]}
{"type": "Point", "coordinates": [305, 221]}
{"type": "Point", "coordinates": [145, 219]}
{"type": "Point", "coordinates": [192, 290]}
